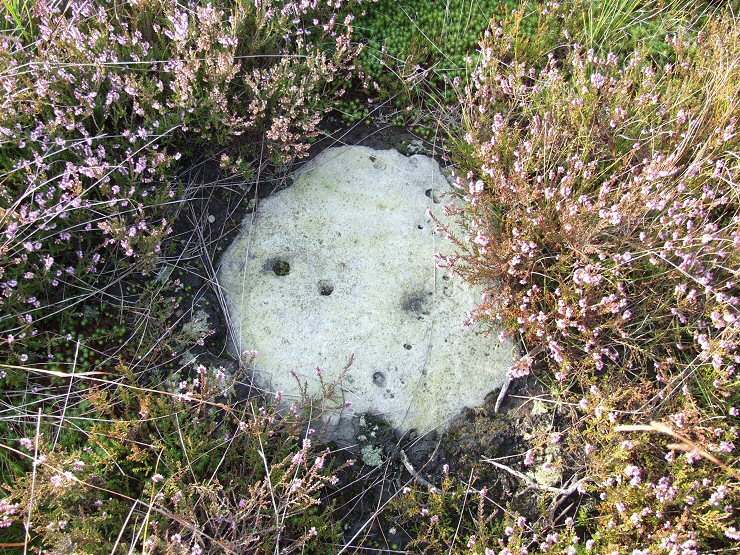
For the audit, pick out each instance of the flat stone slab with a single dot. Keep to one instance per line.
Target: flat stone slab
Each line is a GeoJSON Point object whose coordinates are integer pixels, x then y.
{"type": "Point", "coordinates": [342, 263]}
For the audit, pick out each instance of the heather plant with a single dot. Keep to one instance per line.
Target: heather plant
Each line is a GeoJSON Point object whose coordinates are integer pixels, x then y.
{"type": "Point", "coordinates": [455, 517]}
{"type": "Point", "coordinates": [100, 107]}
{"type": "Point", "coordinates": [598, 201]}
{"type": "Point", "coordinates": [104, 106]}
{"type": "Point", "coordinates": [185, 468]}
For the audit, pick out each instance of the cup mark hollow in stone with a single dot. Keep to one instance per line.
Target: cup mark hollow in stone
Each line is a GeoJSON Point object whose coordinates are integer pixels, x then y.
{"type": "Point", "coordinates": [433, 194]}
{"type": "Point", "coordinates": [326, 287]}
{"type": "Point", "coordinates": [279, 266]}
{"type": "Point", "coordinates": [416, 303]}
{"type": "Point", "coordinates": [379, 379]}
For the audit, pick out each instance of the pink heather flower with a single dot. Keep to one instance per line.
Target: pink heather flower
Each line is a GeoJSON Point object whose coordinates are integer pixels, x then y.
{"type": "Point", "coordinates": [26, 443]}
{"type": "Point", "coordinates": [732, 533]}
{"type": "Point", "coordinates": [718, 495]}
{"type": "Point", "coordinates": [157, 478]}
{"type": "Point", "coordinates": [529, 458]}
{"type": "Point", "coordinates": [598, 80]}
{"type": "Point", "coordinates": [726, 447]}
{"type": "Point", "coordinates": [634, 473]}
{"type": "Point", "coordinates": [424, 512]}
{"type": "Point", "coordinates": [313, 532]}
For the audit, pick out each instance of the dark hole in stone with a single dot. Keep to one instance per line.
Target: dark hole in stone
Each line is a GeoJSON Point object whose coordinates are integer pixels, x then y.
{"type": "Point", "coordinates": [433, 194]}
{"type": "Point", "coordinates": [407, 346]}
{"type": "Point", "coordinates": [446, 278]}
{"type": "Point", "coordinates": [372, 158]}
{"type": "Point", "coordinates": [326, 287]}
{"type": "Point", "coordinates": [379, 379]}
{"type": "Point", "coordinates": [416, 304]}
{"type": "Point", "coordinates": [281, 268]}
{"type": "Point", "coordinates": [419, 226]}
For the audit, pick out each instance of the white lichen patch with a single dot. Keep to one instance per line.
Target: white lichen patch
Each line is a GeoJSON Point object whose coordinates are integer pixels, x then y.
{"type": "Point", "coordinates": [342, 263]}
{"type": "Point", "coordinates": [372, 455]}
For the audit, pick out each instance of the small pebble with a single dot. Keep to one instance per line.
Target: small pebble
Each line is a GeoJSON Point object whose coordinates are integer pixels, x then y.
{"type": "Point", "coordinates": [211, 218]}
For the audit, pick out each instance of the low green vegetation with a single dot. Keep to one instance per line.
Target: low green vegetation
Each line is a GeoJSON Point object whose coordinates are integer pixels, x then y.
{"type": "Point", "coordinates": [415, 49]}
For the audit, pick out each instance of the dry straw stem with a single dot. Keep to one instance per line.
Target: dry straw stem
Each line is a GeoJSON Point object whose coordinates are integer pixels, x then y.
{"type": "Point", "coordinates": [685, 445]}
{"type": "Point", "coordinates": [89, 376]}
{"type": "Point", "coordinates": [533, 483]}
{"type": "Point", "coordinates": [417, 475]}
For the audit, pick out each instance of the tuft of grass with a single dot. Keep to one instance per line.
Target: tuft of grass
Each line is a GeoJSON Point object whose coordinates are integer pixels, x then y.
{"type": "Point", "coordinates": [17, 20]}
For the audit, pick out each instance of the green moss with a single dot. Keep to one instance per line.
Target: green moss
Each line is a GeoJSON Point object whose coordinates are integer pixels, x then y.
{"type": "Point", "coordinates": [416, 49]}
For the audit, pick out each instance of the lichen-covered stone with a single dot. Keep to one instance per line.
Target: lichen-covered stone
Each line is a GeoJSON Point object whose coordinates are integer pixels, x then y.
{"type": "Point", "coordinates": [342, 263]}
